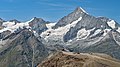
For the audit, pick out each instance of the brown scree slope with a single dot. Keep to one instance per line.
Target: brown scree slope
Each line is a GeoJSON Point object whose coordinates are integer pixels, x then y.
{"type": "Point", "coordinates": [69, 59]}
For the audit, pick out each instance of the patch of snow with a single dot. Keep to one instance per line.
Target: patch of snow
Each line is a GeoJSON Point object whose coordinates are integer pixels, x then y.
{"type": "Point", "coordinates": [111, 24]}
{"type": "Point", "coordinates": [118, 29]}
{"type": "Point", "coordinates": [83, 33]}
{"type": "Point", "coordinates": [95, 40]}
{"type": "Point", "coordinates": [83, 10]}
{"type": "Point", "coordinates": [106, 31]}
{"type": "Point", "coordinates": [70, 40]}
{"type": "Point", "coordinates": [59, 32]}
{"type": "Point", "coordinates": [30, 20]}
{"type": "Point", "coordinates": [101, 25]}
{"type": "Point", "coordinates": [35, 33]}
{"type": "Point", "coordinates": [50, 25]}
{"type": "Point", "coordinates": [29, 29]}
{"type": "Point", "coordinates": [8, 24]}
{"type": "Point", "coordinates": [11, 26]}
{"type": "Point", "coordinates": [96, 32]}
{"type": "Point", "coordinates": [5, 29]}
{"type": "Point", "coordinates": [75, 22]}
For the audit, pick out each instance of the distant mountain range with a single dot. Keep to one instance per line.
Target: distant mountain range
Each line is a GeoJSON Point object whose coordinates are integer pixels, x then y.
{"type": "Point", "coordinates": [27, 44]}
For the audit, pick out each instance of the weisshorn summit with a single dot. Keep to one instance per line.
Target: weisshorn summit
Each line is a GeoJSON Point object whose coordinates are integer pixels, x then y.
{"type": "Point", "coordinates": [27, 44]}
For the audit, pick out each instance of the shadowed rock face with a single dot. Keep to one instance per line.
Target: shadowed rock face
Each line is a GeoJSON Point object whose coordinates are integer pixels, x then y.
{"type": "Point", "coordinates": [4, 34]}
{"type": "Point", "coordinates": [68, 59]}
{"type": "Point", "coordinates": [38, 24]}
{"type": "Point", "coordinates": [22, 50]}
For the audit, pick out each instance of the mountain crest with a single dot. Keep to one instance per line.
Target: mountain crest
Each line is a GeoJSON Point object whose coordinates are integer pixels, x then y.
{"type": "Point", "coordinates": [39, 19]}
{"type": "Point", "coordinates": [79, 9]}
{"type": "Point", "coordinates": [14, 20]}
{"type": "Point", "coordinates": [75, 15]}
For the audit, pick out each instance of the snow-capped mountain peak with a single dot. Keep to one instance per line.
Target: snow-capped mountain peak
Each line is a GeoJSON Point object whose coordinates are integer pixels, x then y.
{"type": "Point", "coordinates": [80, 9]}
{"type": "Point", "coordinates": [75, 15]}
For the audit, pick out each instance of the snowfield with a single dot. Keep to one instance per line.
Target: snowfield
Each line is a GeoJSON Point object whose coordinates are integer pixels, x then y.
{"type": "Point", "coordinates": [11, 26]}
{"type": "Point", "coordinates": [111, 24]}
{"type": "Point", "coordinates": [60, 31]}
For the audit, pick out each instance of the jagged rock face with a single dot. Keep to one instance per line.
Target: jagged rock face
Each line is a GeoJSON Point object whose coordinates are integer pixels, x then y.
{"type": "Point", "coordinates": [38, 24]}
{"type": "Point", "coordinates": [108, 45]}
{"type": "Point", "coordinates": [70, 18]}
{"type": "Point", "coordinates": [22, 50]}
{"type": "Point", "coordinates": [87, 22]}
{"type": "Point", "coordinates": [67, 59]}
{"type": "Point", "coordinates": [4, 34]}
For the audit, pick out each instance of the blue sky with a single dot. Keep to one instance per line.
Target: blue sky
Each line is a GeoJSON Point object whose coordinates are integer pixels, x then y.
{"type": "Point", "coordinates": [53, 10]}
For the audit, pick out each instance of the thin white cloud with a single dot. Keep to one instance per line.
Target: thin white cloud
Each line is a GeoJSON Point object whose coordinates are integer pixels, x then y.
{"type": "Point", "coordinates": [52, 4]}
{"type": "Point", "coordinates": [98, 9]}
{"type": "Point", "coordinates": [61, 6]}
{"type": "Point", "coordinates": [60, 9]}
{"type": "Point", "coordinates": [57, 4]}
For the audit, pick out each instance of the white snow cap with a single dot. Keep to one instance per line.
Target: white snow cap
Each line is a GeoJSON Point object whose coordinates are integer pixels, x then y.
{"type": "Point", "coordinates": [80, 9]}
{"type": "Point", "coordinates": [11, 26]}
{"type": "Point", "coordinates": [83, 9]}
{"type": "Point", "coordinates": [30, 20]}
{"type": "Point", "coordinates": [111, 24]}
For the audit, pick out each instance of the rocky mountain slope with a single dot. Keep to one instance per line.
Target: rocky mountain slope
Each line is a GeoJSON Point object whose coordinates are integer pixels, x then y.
{"type": "Point", "coordinates": [68, 59]}
{"type": "Point", "coordinates": [22, 49]}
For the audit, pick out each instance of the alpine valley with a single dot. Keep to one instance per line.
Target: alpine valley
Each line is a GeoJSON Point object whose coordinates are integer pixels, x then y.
{"type": "Point", "coordinates": [76, 40]}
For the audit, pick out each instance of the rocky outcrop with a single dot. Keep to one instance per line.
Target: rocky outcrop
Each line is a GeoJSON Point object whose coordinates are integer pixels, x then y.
{"type": "Point", "coordinates": [4, 34]}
